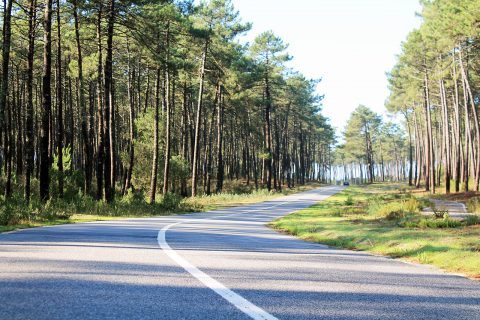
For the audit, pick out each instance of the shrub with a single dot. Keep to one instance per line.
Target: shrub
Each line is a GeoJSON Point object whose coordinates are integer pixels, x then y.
{"type": "Point", "coordinates": [473, 205]}
{"type": "Point", "coordinates": [8, 215]}
{"type": "Point", "coordinates": [236, 187]}
{"type": "Point", "coordinates": [14, 210]}
{"type": "Point", "coordinates": [472, 220]}
{"type": "Point", "coordinates": [170, 201]}
{"type": "Point", "coordinates": [446, 222]}
{"type": "Point", "coordinates": [133, 197]}
{"type": "Point", "coordinates": [349, 201]}
{"type": "Point", "coordinates": [391, 211]}
{"type": "Point", "coordinates": [412, 205]}
{"type": "Point", "coordinates": [55, 209]}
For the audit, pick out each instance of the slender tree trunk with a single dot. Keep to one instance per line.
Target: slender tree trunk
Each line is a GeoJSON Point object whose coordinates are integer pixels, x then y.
{"type": "Point", "coordinates": [60, 132]}
{"type": "Point", "coordinates": [153, 179]}
{"type": "Point", "coordinates": [197, 121]}
{"type": "Point", "coordinates": [220, 165]}
{"type": "Point", "coordinates": [268, 131]}
{"type": "Point", "coordinates": [109, 165]}
{"type": "Point", "coordinates": [131, 77]}
{"type": "Point", "coordinates": [87, 144]}
{"type": "Point", "coordinates": [458, 144]}
{"type": "Point", "coordinates": [29, 110]}
{"type": "Point", "coordinates": [166, 169]}
{"type": "Point", "coordinates": [45, 162]}
{"type": "Point", "coordinates": [410, 150]}
{"type": "Point", "coordinates": [431, 156]}
{"type": "Point", "coordinates": [476, 165]}
{"type": "Point", "coordinates": [100, 116]}
{"type": "Point", "coordinates": [468, 140]}
{"type": "Point", "coordinates": [446, 135]}
{"type": "Point", "coordinates": [4, 85]}
{"type": "Point", "coordinates": [184, 138]}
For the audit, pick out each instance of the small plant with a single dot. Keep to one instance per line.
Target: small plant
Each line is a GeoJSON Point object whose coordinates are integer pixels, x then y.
{"type": "Point", "coordinates": [472, 220]}
{"type": "Point", "coordinates": [349, 201]}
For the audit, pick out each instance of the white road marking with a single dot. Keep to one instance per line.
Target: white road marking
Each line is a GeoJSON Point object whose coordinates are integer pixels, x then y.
{"type": "Point", "coordinates": [237, 300]}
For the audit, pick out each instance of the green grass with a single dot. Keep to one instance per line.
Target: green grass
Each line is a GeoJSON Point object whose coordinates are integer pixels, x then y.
{"type": "Point", "coordinates": [16, 214]}
{"type": "Point", "coordinates": [338, 223]}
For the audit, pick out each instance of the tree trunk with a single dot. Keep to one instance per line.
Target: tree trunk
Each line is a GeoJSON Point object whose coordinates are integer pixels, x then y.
{"type": "Point", "coordinates": [197, 121]}
{"type": "Point", "coordinates": [431, 156]}
{"type": "Point", "coordinates": [153, 179]}
{"type": "Point", "coordinates": [29, 110]}
{"type": "Point", "coordinates": [87, 144]}
{"type": "Point", "coordinates": [268, 130]}
{"type": "Point", "coordinates": [46, 104]}
{"type": "Point", "coordinates": [109, 165]}
{"type": "Point", "coordinates": [476, 165]}
{"type": "Point", "coordinates": [220, 165]}
{"type": "Point", "coordinates": [458, 144]}
{"type": "Point", "coordinates": [100, 116]}
{"type": "Point", "coordinates": [131, 77]}
{"type": "Point", "coordinates": [7, 32]}
{"type": "Point", "coordinates": [60, 128]}
{"type": "Point", "coordinates": [446, 136]}
{"type": "Point", "coordinates": [166, 169]}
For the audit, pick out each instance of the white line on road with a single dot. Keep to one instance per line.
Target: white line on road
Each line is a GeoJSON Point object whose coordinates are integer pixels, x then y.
{"type": "Point", "coordinates": [237, 300]}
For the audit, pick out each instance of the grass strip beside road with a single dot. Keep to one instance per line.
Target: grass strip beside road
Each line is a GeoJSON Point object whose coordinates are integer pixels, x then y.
{"type": "Point", "coordinates": [348, 220]}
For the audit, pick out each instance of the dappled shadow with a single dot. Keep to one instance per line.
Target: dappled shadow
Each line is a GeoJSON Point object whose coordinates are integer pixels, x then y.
{"type": "Point", "coordinates": [116, 290]}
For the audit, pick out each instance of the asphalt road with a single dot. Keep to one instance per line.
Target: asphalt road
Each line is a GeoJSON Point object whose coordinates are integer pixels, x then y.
{"type": "Point", "coordinates": [223, 264]}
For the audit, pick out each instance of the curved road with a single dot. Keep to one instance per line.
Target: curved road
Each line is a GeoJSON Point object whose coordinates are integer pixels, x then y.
{"type": "Point", "coordinates": [223, 264]}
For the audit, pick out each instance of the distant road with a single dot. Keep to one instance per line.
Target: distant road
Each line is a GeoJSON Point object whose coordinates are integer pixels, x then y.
{"type": "Point", "coordinates": [224, 264]}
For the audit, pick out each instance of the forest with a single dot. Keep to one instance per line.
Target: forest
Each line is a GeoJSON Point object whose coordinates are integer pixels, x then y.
{"type": "Point", "coordinates": [102, 99]}
{"type": "Point", "coordinates": [434, 90]}
{"type": "Point", "coordinates": [434, 86]}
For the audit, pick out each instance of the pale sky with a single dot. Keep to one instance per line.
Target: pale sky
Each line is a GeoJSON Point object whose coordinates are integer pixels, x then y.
{"type": "Point", "coordinates": [350, 44]}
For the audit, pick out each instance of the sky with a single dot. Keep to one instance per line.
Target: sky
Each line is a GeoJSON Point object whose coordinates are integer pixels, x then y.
{"type": "Point", "coordinates": [349, 44]}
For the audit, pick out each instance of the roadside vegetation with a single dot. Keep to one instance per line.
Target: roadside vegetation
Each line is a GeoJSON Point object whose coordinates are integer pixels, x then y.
{"type": "Point", "coordinates": [127, 109]}
{"type": "Point", "coordinates": [385, 219]}
{"type": "Point", "coordinates": [15, 213]}
{"type": "Point", "coordinates": [104, 104]}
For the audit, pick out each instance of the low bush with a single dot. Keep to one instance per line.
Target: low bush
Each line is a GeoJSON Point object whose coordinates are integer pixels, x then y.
{"type": "Point", "coordinates": [12, 211]}
{"type": "Point", "coordinates": [349, 201]}
{"type": "Point", "coordinates": [133, 197]}
{"type": "Point", "coordinates": [170, 201]}
{"type": "Point", "coordinates": [473, 205]}
{"type": "Point", "coordinates": [412, 205]}
{"type": "Point", "coordinates": [237, 187]}
{"type": "Point", "coordinates": [446, 222]}
{"type": "Point", "coordinates": [394, 210]}
{"type": "Point", "coordinates": [472, 220]}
